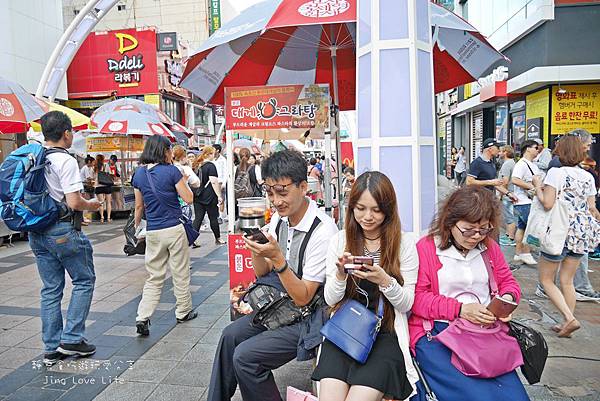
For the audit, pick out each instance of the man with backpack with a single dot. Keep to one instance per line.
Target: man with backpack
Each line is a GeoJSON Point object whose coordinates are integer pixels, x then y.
{"type": "Point", "coordinates": [63, 247]}
{"type": "Point", "coordinates": [293, 261]}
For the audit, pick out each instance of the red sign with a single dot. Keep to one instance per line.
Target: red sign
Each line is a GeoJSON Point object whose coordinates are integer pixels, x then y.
{"type": "Point", "coordinates": [347, 154]}
{"type": "Point", "coordinates": [241, 275]}
{"type": "Point", "coordinates": [276, 107]}
{"type": "Point", "coordinates": [115, 63]}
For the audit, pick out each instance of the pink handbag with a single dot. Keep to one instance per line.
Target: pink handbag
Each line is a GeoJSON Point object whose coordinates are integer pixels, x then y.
{"type": "Point", "coordinates": [477, 350]}
{"type": "Point", "coordinates": [293, 394]}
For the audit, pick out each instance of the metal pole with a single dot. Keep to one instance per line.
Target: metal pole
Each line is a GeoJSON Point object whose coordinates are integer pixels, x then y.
{"type": "Point", "coordinates": [336, 131]}
{"type": "Point", "coordinates": [230, 189]}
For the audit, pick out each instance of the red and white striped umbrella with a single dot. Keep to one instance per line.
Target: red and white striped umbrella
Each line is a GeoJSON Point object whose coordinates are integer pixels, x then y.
{"type": "Point", "coordinates": [129, 120]}
{"type": "Point", "coordinates": [153, 113]}
{"type": "Point", "coordinates": [293, 42]}
{"type": "Point", "coordinates": [17, 107]}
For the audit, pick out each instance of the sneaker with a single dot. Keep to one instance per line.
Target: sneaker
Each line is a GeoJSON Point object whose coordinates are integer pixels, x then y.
{"type": "Point", "coordinates": [517, 260]}
{"type": "Point", "coordinates": [220, 220]}
{"type": "Point", "coordinates": [204, 227]}
{"type": "Point", "coordinates": [539, 291]}
{"type": "Point", "coordinates": [505, 240]}
{"type": "Point", "coordinates": [587, 296]}
{"type": "Point", "coordinates": [220, 242]}
{"type": "Point", "coordinates": [142, 327]}
{"type": "Point", "coordinates": [594, 256]}
{"type": "Point", "coordinates": [527, 259]}
{"type": "Point", "coordinates": [190, 316]}
{"type": "Point", "coordinates": [81, 349]}
{"type": "Point", "coordinates": [50, 358]}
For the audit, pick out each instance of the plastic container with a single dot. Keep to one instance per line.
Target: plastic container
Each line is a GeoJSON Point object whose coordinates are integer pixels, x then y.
{"type": "Point", "coordinates": [251, 212]}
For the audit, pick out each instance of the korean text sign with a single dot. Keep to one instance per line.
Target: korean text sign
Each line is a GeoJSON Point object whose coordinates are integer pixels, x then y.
{"type": "Point", "coordinates": [576, 106]}
{"type": "Point", "coordinates": [115, 63]}
{"type": "Point", "coordinates": [241, 274]}
{"type": "Point", "coordinates": [277, 107]}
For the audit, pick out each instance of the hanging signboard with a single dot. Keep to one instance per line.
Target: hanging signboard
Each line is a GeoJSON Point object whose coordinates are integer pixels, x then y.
{"type": "Point", "coordinates": [575, 106]}
{"type": "Point", "coordinates": [277, 107]}
{"type": "Point", "coordinates": [113, 144]}
{"type": "Point", "coordinates": [215, 16]}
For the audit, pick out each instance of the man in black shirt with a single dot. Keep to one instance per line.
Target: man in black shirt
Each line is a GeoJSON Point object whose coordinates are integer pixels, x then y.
{"type": "Point", "coordinates": [483, 171]}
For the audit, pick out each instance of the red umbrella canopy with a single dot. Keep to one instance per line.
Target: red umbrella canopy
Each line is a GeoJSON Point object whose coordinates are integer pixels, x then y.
{"type": "Point", "coordinates": [280, 42]}
{"type": "Point", "coordinates": [17, 107]}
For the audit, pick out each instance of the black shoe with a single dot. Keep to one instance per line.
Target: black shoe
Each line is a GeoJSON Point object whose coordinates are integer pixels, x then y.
{"type": "Point", "coordinates": [142, 327]}
{"type": "Point", "coordinates": [50, 358]}
{"type": "Point", "coordinates": [81, 349]}
{"type": "Point", "coordinates": [189, 316]}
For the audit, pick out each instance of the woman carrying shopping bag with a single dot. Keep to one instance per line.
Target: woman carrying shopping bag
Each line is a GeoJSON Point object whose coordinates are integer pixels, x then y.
{"type": "Point", "coordinates": [574, 188]}
{"type": "Point", "coordinates": [372, 232]}
{"type": "Point", "coordinates": [158, 187]}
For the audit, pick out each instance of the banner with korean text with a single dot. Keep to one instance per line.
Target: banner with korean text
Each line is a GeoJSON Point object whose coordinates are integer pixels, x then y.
{"type": "Point", "coordinates": [575, 106]}
{"type": "Point", "coordinates": [277, 107]}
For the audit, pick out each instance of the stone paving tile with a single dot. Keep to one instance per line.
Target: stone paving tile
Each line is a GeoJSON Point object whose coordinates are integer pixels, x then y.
{"type": "Point", "coordinates": [10, 321]}
{"type": "Point", "coordinates": [190, 374]}
{"type": "Point", "coordinates": [168, 351]}
{"type": "Point", "coordinates": [33, 342]}
{"type": "Point", "coordinates": [15, 357]}
{"type": "Point", "coordinates": [4, 372]}
{"type": "Point", "coordinates": [126, 331]}
{"type": "Point", "coordinates": [106, 306]}
{"type": "Point", "coordinates": [185, 334]}
{"type": "Point", "coordinates": [212, 336]}
{"type": "Point", "coordinates": [12, 337]}
{"type": "Point", "coordinates": [180, 393]}
{"type": "Point", "coordinates": [34, 324]}
{"type": "Point", "coordinates": [130, 391]}
{"type": "Point", "coordinates": [22, 301]}
{"type": "Point", "coordinates": [148, 371]}
{"type": "Point", "coordinates": [165, 306]}
{"type": "Point", "coordinates": [201, 353]}
{"type": "Point", "coordinates": [35, 394]}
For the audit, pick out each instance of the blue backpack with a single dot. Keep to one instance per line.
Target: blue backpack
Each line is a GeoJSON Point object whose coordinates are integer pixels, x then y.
{"type": "Point", "coordinates": [26, 202]}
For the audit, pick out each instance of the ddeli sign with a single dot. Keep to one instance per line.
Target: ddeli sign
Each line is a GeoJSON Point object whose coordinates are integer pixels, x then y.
{"type": "Point", "coordinates": [115, 63]}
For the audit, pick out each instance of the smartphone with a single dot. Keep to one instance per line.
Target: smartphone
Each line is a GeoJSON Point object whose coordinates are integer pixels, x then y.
{"type": "Point", "coordinates": [501, 307]}
{"type": "Point", "coordinates": [256, 235]}
{"type": "Point", "coordinates": [351, 267]}
{"type": "Point", "coordinates": [363, 260]}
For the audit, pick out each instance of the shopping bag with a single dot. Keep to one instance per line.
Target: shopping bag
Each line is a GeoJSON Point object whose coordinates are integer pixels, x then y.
{"type": "Point", "coordinates": [133, 245]}
{"type": "Point", "coordinates": [293, 394]}
{"type": "Point", "coordinates": [547, 229]}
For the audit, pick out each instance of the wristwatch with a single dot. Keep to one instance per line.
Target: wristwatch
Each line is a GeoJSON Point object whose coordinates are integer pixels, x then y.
{"type": "Point", "coordinates": [282, 269]}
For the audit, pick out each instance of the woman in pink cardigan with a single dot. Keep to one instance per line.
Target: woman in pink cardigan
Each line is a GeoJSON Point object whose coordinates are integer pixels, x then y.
{"type": "Point", "coordinates": [452, 283]}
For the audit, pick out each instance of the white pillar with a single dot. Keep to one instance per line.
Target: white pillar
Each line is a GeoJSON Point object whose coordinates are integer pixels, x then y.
{"type": "Point", "coordinates": [395, 104]}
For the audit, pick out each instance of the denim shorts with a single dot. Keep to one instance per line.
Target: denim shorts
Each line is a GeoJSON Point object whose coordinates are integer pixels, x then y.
{"type": "Point", "coordinates": [522, 215]}
{"type": "Point", "coordinates": [508, 212]}
{"type": "Point", "coordinates": [559, 258]}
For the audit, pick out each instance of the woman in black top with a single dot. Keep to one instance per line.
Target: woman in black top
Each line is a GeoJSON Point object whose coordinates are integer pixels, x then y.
{"type": "Point", "coordinates": [208, 197]}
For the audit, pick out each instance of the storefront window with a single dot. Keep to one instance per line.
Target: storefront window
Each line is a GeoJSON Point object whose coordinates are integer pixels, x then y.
{"type": "Point", "coordinates": [200, 117]}
{"type": "Point", "coordinates": [518, 129]}
{"type": "Point", "coordinates": [172, 108]}
{"type": "Point", "coordinates": [502, 123]}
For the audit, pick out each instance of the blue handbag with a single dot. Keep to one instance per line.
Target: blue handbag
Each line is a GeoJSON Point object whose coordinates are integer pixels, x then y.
{"type": "Point", "coordinates": [354, 329]}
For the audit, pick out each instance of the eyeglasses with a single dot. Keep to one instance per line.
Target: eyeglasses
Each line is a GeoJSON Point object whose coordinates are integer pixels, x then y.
{"type": "Point", "coordinates": [471, 233]}
{"type": "Point", "coordinates": [278, 188]}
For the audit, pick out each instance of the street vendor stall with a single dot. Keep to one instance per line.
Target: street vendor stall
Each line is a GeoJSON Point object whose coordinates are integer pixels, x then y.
{"type": "Point", "coordinates": [284, 112]}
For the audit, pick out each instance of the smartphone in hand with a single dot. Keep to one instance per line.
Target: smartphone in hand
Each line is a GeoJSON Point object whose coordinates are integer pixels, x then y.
{"type": "Point", "coordinates": [501, 307]}
{"type": "Point", "coordinates": [256, 235]}
{"type": "Point", "coordinates": [363, 260]}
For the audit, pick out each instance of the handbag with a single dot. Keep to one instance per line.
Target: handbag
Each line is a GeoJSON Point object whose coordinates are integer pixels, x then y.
{"type": "Point", "coordinates": [548, 229]}
{"type": "Point", "coordinates": [533, 348]}
{"type": "Point", "coordinates": [354, 328]}
{"type": "Point", "coordinates": [478, 350]}
{"type": "Point", "coordinates": [293, 394]}
{"type": "Point", "coordinates": [105, 179]}
{"type": "Point", "coordinates": [190, 232]}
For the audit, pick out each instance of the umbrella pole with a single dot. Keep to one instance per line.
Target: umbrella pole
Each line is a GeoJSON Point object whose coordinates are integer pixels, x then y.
{"type": "Point", "coordinates": [230, 189]}
{"type": "Point", "coordinates": [335, 130]}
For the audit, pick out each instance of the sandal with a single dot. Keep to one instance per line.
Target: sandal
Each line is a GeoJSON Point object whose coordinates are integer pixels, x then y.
{"type": "Point", "coordinates": [556, 328]}
{"type": "Point", "coordinates": [568, 328]}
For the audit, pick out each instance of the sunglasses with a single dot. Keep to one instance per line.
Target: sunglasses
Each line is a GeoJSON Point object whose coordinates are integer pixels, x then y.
{"type": "Point", "coordinates": [277, 188]}
{"type": "Point", "coordinates": [471, 233]}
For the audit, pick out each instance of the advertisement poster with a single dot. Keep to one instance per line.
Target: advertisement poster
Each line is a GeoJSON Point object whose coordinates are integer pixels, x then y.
{"type": "Point", "coordinates": [347, 154]}
{"type": "Point", "coordinates": [277, 107]}
{"type": "Point", "coordinates": [113, 63]}
{"type": "Point", "coordinates": [113, 144]}
{"type": "Point", "coordinates": [241, 275]}
{"type": "Point", "coordinates": [537, 105]}
{"type": "Point", "coordinates": [575, 106]}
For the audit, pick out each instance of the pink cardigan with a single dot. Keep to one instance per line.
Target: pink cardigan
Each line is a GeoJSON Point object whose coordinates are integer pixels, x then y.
{"type": "Point", "coordinates": [430, 305]}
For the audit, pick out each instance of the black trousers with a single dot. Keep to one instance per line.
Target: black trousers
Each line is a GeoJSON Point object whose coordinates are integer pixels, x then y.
{"type": "Point", "coordinates": [246, 355]}
{"type": "Point", "coordinates": [212, 209]}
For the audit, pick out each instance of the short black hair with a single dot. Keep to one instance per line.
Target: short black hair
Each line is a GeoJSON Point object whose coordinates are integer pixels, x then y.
{"type": "Point", "coordinates": [349, 170]}
{"type": "Point", "coordinates": [155, 150]}
{"type": "Point", "coordinates": [217, 147]}
{"type": "Point", "coordinates": [113, 157]}
{"type": "Point", "coordinates": [285, 164]}
{"type": "Point", "coordinates": [528, 144]}
{"type": "Point", "coordinates": [89, 159]}
{"type": "Point", "coordinates": [54, 125]}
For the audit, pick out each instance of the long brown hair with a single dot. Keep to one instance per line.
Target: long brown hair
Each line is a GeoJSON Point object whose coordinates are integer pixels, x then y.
{"type": "Point", "coordinates": [471, 204]}
{"type": "Point", "coordinates": [207, 151]}
{"type": "Point", "coordinates": [244, 158]}
{"type": "Point", "coordinates": [382, 190]}
{"type": "Point", "coordinates": [99, 163]}
{"type": "Point", "coordinates": [178, 153]}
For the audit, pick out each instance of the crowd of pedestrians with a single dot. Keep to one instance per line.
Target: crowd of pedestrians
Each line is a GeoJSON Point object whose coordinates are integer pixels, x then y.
{"type": "Point", "coordinates": [416, 290]}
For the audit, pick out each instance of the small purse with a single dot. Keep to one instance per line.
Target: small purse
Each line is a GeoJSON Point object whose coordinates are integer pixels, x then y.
{"type": "Point", "coordinates": [190, 231]}
{"type": "Point", "coordinates": [354, 328]}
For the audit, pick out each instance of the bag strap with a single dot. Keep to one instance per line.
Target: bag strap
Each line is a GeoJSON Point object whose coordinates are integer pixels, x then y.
{"type": "Point", "coordinates": [304, 244]}
{"type": "Point", "coordinates": [487, 260]}
{"type": "Point", "coordinates": [529, 167]}
{"type": "Point", "coordinates": [429, 394]}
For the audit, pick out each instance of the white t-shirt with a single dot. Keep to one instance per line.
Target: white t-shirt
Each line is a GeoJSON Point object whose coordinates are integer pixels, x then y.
{"type": "Point", "coordinates": [556, 179]}
{"type": "Point", "coordinates": [316, 250]}
{"type": "Point", "coordinates": [523, 170]}
{"type": "Point", "coordinates": [193, 180]}
{"type": "Point", "coordinates": [221, 164]}
{"type": "Point", "coordinates": [62, 175]}
{"type": "Point", "coordinates": [87, 173]}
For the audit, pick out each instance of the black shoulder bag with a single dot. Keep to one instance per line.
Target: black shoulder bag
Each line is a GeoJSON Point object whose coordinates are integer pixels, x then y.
{"type": "Point", "coordinates": [270, 302]}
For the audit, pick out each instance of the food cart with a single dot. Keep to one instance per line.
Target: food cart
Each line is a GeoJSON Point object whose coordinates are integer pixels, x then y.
{"type": "Point", "coordinates": [128, 150]}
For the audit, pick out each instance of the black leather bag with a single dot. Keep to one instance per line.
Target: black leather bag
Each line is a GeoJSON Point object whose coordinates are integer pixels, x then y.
{"type": "Point", "coordinates": [105, 179]}
{"type": "Point", "coordinates": [534, 350]}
